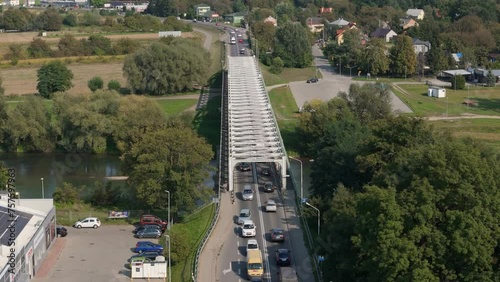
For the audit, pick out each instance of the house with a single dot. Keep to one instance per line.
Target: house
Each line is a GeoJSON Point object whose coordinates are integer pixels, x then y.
{"type": "Point", "coordinates": [384, 33]}
{"type": "Point", "coordinates": [421, 46]}
{"type": "Point", "coordinates": [235, 18]}
{"type": "Point", "coordinates": [325, 10]}
{"type": "Point", "coordinates": [339, 23]}
{"type": "Point", "coordinates": [11, 2]}
{"type": "Point", "coordinates": [339, 35]}
{"type": "Point", "coordinates": [436, 92]}
{"type": "Point", "coordinates": [271, 20]}
{"type": "Point", "coordinates": [315, 24]}
{"type": "Point", "coordinates": [210, 16]}
{"type": "Point", "coordinates": [416, 13]}
{"type": "Point", "coordinates": [406, 23]}
{"type": "Point", "coordinates": [200, 10]}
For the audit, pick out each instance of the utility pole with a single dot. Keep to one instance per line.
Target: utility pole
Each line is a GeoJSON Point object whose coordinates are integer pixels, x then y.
{"type": "Point", "coordinates": [340, 66]}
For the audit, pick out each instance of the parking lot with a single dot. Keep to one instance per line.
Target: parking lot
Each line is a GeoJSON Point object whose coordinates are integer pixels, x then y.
{"type": "Point", "coordinates": [95, 255]}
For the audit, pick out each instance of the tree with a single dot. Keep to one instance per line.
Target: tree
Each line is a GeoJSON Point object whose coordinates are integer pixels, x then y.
{"type": "Point", "coordinates": [368, 102]}
{"type": "Point", "coordinates": [265, 34]}
{"type": "Point", "coordinates": [124, 46]}
{"type": "Point", "coordinates": [490, 79]}
{"type": "Point", "coordinates": [99, 45]}
{"type": "Point", "coordinates": [375, 58]}
{"type": "Point", "coordinates": [69, 46]}
{"type": "Point", "coordinates": [29, 127]}
{"type": "Point", "coordinates": [175, 159]}
{"type": "Point", "coordinates": [162, 8]}
{"type": "Point", "coordinates": [167, 68]}
{"type": "Point", "coordinates": [114, 85]}
{"type": "Point", "coordinates": [292, 45]}
{"type": "Point", "coordinates": [95, 83]}
{"type": "Point", "coordinates": [97, 3]}
{"type": "Point", "coordinates": [17, 19]}
{"type": "Point", "coordinates": [39, 48]}
{"type": "Point", "coordinates": [276, 66]}
{"type": "Point", "coordinates": [437, 59]}
{"type": "Point", "coordinates": [53, 77]}
{"type": "Point", "coordinates": [50, 20]}
{"type": "Point", "coordinates": [67, 194]}
{"type": "Point", "coordinates": [70, 20]}
{"type": "Point", "coordinates": [458, 82]}
{"type": "Point", "coordinates": [403, 58]}
{"type": "Point", "coordinates": [90, 18]}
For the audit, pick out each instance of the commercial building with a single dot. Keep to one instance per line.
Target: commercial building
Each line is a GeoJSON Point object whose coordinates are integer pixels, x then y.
{"type": "Point", "coordinates": [28, 230]}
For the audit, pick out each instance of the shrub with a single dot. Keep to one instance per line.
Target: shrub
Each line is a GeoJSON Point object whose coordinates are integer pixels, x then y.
{"type": "Point", "coordinates": [114, 85]}
{"type": "Point", "coordinates": [70, 20]}
{"type": "Point", "coordinates": [95, 83]}
{"type": "Point", "coordinates": [68, 194]}
{"type": "Point", "coordinates": [458, 82]}
{"type": "Point", "coordinates": [276, 66]}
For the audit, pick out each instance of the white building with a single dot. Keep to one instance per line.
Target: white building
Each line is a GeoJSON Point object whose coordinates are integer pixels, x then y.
{"type": "Point", "coordinates": [33, 232]}
{"type": "Point", "coordinates": [416, 13]}
{"type": "Point", "coordinates": [436, 92]}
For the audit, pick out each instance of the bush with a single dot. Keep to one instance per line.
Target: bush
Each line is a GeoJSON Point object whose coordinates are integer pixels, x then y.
{"type": "Point", "coordinates": [458, 82]}
{"type": "Point", "coordinates": [70, 20]}
{"type": "Point", "coordinates": [68, 194]}
{"type": "Point", "coordinates": [95, 83]}
{"type": "Point", "coordinates": [276, 66]}
{"type": "Point", "coordinates": [114, 85]}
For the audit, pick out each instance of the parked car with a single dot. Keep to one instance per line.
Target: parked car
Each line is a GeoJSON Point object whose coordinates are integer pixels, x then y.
{"type": "Point", "coordinates": [148, 233]}
{"type": "Point", "coordinates": [277, 235]}
{"type": "Point", "coordinates": [61, 231]}
{"type": "Point", "coordinates": [282, 257]}
{"type": "Point", "coordinates": [245, 167]}
{"type": "Point", "coordinates": [247, 194]}
{"type": "Point", "coordinates": [252, 244]}
{"type": "Point", "coordinates": [265, 172]}
{"type": "Point", "coordinates": [242, 51]}
{"type": "Point", "coordinates": [147, 246]}
{"type": "Point", "coordinates": [89, 222]}
{"type": "Point", "coordinates": [248, 229]}
{"type": "Point", "coordinates": [270, 206]}
{"type": "Point", "coordinates": [149, 219]}
{"type": "Point", "coordinates": [312, 80]}
{"type": "Point", "coordinates": [144, 227]}
{"type": "Point", "coordinates": [241, 40]}
{"type": "Point", "coordinates": [244, 215]}
{"type": "Point", "coordinates": [268, 187]}
{"type": "Point", "coordinates": [149, 255]}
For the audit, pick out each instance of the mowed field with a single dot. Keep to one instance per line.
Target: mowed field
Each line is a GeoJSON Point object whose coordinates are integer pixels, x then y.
{"type": "Point", "coordinates": [23, 81]}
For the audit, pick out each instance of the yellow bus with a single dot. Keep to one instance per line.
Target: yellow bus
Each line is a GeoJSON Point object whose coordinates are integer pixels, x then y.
{"type": "Point", "coordinates": [255, 267]}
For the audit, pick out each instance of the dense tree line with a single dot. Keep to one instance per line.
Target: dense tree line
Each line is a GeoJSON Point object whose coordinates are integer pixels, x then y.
{"type": "Point", "coordinates": [400, 201]}
{"type": "Point", "coordinates": [170, 66]}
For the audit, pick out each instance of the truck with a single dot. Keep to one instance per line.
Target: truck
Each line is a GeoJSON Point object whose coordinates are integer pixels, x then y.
{"type": "Point", "coordinates": [233, 40]}
{"type": "Point", "coordinates": [288, 274]}
{"type": "Point", "coordinates": [255, 266]}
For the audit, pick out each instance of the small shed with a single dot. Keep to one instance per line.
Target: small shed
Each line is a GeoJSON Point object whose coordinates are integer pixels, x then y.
{"type": "Point", "coordinates": [436, 92]}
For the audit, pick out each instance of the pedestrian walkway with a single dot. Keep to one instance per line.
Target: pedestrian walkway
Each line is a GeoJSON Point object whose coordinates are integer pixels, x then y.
{"type": "Point", "coordinates": [207, 266]}
{"type": "Point", "coordinates": [50, 259]}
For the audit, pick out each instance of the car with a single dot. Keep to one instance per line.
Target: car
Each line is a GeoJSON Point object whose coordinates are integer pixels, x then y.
{"type": "Point", "coordinates": [144, 227]}
{"type": "Point", "coordinates": [225, 27]}
{"type": "Point", "coordinates": [282, 257]}
{"type": "Point", "coordinates": [61, 231]}
{"type": "Point", "coordinates": [248, 229]}
{"type": "Point", "coordinates": [149, 255]}
{"type": "Point", "coordinates": [240, 41]}
{"type": "Point", "coordinates": [148, 233]}
{"type": "Point", "coordinates": [149, 219]}
{"type": "Point", "coordinates": [265, 172]}
{"type": "Point", "coordinates": [312, 80]}
{"type": "Point", "coordinates": [235, 29]}
{"type": "Point", "coordinates": [147, 246]}
{"type": "Point", "coordinates": [245, 167]}
{"type": "Point", "coordinates": [194, 20]}
{"type": "Point", "coordinates": [244, 215]}
{"type": "Point", "coordinates": [252, 244]}
{"type": "Point", "coordinates": [242, 51]}
{"type": "Point", "coordinates": [239, 35]}
{"type": "Point", "coordinates": [277, 235]}
{"type": "Point", "coordinates": [89, 222]}
{"type": "Point", "coordinates": [247, 194]}
{"type": "Point", "coordinates": [270, 206]}
{"type": "Point", "coordinates": [268, 187]}
{"type": "Point", "coordinates": [232, 32]}
{"type": "Point", "coordinates": [139, 260]}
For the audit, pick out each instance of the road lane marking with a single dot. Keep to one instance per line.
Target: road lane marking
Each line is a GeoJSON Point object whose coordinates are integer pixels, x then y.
{"type": "Point", "coordinates": [239, 267]}
{"type": "Point", "coordinates": [225, 271]}
{"type": "Point", "coordinates": [237, 247]}
{"type": "Point", "coordinates": [263, 232]}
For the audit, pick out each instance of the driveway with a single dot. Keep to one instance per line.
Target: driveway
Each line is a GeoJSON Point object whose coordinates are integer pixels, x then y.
{"type": "Point", "coordinates": [331, 84]}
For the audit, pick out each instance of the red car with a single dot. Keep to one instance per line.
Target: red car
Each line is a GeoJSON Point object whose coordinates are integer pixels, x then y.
{"type": "Point", "coordinates": [241, 40]}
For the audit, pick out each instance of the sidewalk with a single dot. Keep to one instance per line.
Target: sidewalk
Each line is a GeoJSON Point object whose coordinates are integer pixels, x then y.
{"type": "Point", "coordinates": [207, 266]}
{"type": "Point", "coordinates": [50, 259]}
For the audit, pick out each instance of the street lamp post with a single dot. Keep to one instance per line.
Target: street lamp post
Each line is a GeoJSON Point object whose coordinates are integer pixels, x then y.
{"type": "Point", "coordinates": [43, 190]}
{"type": "Point", "coordinates": [301, 178]}
{"type": "Point", "coordinates": [319, 216]}
{"type": "Point", "coordinates": [18, 196]}
{"type": "Point", "coordinates": [168, 218]}
{"type": "Point", "coordinates": [169, 260]}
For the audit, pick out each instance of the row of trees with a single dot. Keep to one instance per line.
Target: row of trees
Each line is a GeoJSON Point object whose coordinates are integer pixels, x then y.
{"type": "Point", "coordinates": [399, 200]}
{"type": "Point", "coordinates": [53, 20]}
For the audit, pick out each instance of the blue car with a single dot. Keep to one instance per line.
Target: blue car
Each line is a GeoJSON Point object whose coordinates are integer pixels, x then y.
{"type": "Point", "coordinates": [146, 246]}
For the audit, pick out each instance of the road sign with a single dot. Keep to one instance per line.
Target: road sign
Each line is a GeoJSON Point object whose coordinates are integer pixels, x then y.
{"type": "Point", "coordinates": [321, 258]}
{"type": "Point", "coordinates": [304, 200]}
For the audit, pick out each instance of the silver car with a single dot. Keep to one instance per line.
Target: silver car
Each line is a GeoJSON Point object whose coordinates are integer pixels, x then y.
{"type": "Point", "coordinates": [244, 215]}
{"type": "Point", "coordinates": [247, 193]}
{"type": "Point", "coordinates": [270, 206]}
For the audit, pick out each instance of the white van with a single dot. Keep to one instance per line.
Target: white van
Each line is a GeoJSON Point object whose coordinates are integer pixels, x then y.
{"type": "Point", "coordinates": [233, 40]}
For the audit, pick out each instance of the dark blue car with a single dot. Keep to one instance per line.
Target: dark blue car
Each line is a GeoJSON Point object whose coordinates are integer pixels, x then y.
{"type": "Point", "coordinates": [146, 246]}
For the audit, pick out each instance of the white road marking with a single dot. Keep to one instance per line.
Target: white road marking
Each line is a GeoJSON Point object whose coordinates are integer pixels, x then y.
{"type": "Point", "coordinates": [239, 268]}
{"type": "Point", "coordinates": [268, 268]}
{"type": "Point", "coordinates": [237, 247]}
{"type": "Point", "coordinates": [225, 271]}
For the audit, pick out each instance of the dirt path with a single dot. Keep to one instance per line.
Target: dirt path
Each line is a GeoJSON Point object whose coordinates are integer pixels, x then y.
{"type": "Point", "coordinates": [464, 116]}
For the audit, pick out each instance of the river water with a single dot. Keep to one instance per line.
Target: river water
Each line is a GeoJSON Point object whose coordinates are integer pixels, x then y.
{"type": "Point", "coordinates": [54, 168]}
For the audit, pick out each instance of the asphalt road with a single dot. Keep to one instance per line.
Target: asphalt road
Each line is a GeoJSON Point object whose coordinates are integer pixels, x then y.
{"type": "Point", "coordinates": [331, 84]}
{"type": "Point", "coordinates": [232, 259]}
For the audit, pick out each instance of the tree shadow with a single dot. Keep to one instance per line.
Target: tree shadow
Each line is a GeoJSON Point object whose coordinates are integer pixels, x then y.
{"type": "Point", "coordinates": [487, 104]}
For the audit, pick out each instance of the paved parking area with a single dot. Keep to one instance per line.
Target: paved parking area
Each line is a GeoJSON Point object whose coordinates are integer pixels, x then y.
{"type": "Point", "coordinates": [94, 255]}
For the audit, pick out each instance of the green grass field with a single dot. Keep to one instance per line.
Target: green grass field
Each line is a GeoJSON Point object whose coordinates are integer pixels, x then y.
{"type": "Point", "coordinates": [173, 107]}
{"type": "Point", "coordinates": [488, 100]}
{"type": "Point", "coordinates": [288, 75]}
